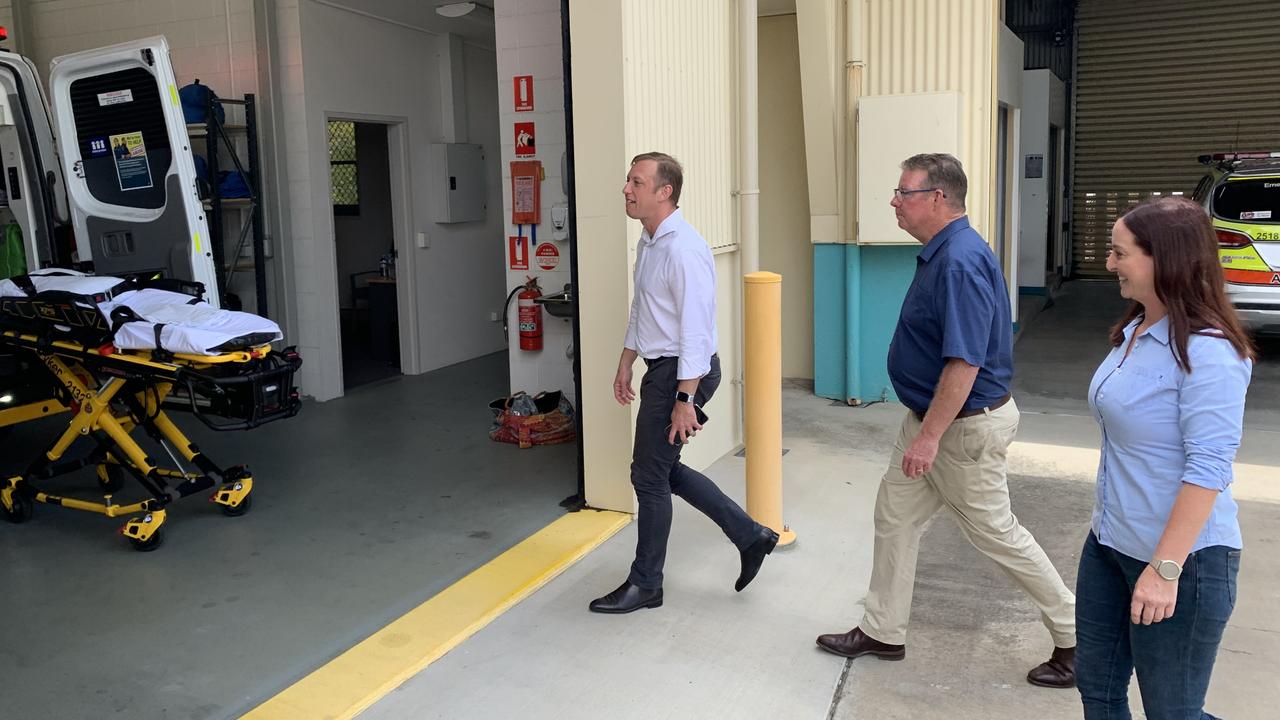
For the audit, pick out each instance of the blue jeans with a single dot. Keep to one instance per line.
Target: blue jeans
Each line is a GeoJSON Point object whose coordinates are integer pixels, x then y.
{"type": "Point", "coordinates": [1173, 658]}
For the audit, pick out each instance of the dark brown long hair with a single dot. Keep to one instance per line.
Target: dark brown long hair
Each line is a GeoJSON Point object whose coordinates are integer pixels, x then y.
{"type": "Point", "coordinates": [1179, 237]}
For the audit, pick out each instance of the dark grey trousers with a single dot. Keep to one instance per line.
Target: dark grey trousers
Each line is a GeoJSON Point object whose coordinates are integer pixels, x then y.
{"type": "Point", "coordinates": [656, 473]}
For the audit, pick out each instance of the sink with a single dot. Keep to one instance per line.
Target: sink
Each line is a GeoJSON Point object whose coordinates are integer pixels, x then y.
{"type": "Point", "coordinates": [559, 304]}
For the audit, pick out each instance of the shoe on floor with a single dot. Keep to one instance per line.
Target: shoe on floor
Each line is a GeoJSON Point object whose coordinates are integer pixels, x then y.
{"type": "Point", "coordinates": [627, 598]}
{"type": "Point", "coordinates": [1059, 671]}
{"type": "Point", "coordinates": [856, 643]}
{"type": "Point", "coordinates": [753, 556]}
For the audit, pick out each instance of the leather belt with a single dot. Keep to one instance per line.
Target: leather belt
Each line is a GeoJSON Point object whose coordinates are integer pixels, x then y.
{"type": "Point", "coordinates": [970, 413]}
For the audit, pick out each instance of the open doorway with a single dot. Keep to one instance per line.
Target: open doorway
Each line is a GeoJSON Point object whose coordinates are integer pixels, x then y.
{"type": "Point", "coordinates": [1052, 258]}
{"type": "Point", "coordinates": [364, 239]}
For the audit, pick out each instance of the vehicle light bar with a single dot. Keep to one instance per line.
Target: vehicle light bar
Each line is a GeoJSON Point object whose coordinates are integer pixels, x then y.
{"type": "Point", "coordinates": [1227, 157]}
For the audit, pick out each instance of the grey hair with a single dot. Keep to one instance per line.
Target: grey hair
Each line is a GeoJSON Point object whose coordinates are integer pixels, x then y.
{"type": "Point", "coordinates": [944, 172]}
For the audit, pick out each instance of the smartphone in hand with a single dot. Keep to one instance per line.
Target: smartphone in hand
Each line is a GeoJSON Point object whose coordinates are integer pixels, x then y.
{"type": "Point", "coordinates": [699, 415]}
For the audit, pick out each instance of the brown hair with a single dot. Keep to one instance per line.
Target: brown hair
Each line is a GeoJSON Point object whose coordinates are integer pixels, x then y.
{"type": "Point", "coordinates": [669, 172]}
{"type": "Point", "coordinates": [1178, 236]}
{"type": "Point", "coordinates": [944, 172]}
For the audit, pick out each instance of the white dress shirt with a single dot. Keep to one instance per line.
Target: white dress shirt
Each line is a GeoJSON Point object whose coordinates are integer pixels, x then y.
{"type": "Point", "coordinates": [673, 312]}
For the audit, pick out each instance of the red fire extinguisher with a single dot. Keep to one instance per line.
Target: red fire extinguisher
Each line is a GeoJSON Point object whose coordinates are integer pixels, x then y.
{"type": "Point", "coordinates": [530, 315]}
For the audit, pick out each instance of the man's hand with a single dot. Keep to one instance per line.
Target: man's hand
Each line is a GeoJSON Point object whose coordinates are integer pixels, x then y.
{"type": "Point", "coordinates": [1153, 598]}
{"type": "Point", "coordinates": [622, 391]}
{"type": "Point", "coordinates": [919, 457]}
{"type": "Point", "coordinates": [684, 423]}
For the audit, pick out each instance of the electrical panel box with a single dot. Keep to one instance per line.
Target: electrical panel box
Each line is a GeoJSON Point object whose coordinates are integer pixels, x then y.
{"type": "Point", "coordinates": [892, 128]}
{"type": "Point", "coordinates": [457, 179]}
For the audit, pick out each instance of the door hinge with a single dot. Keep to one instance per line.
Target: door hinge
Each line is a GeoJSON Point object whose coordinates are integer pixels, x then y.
{"type": "Point", "coordinates": [78, 169]}
{"type": "Point", "coordinates": [148, 56]}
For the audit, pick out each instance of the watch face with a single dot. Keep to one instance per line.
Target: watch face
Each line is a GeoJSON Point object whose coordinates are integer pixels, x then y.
{"type": "Point", "coordinates": [1168, 570]}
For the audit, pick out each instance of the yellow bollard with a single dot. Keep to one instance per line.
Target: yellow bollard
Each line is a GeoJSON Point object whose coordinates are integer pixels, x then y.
{"type": "Point", "coordinates": [763, 398]}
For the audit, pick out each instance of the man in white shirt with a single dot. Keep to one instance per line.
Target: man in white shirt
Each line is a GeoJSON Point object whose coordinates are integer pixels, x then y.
{"type": "Point", "coordinates": [673, 328]}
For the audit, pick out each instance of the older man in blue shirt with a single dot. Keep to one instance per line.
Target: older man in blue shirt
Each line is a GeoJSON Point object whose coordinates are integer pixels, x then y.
{"type": "Point", "coordinates": [950, 362]}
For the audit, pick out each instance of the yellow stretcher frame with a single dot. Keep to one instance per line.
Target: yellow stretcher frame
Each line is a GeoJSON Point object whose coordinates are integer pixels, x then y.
{"type": "Point", "coordinates": [104, 410]}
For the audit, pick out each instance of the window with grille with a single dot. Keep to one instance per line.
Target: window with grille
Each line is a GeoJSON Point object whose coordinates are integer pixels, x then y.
{"type": "Point", "coordinates": [343, 168]}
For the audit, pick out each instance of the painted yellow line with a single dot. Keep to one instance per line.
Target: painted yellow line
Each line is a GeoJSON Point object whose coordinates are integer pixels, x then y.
{"type": "Point", "coordinates": [361, 676]}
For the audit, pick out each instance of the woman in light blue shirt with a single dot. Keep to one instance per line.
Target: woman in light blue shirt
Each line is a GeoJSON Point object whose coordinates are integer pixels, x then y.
{"type": "Point", "coordinates": [1157, 577]}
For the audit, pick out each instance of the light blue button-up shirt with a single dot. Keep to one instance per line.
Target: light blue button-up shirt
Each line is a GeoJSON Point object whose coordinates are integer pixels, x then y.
{"type": "Point", "coordinates": [1162, 427]}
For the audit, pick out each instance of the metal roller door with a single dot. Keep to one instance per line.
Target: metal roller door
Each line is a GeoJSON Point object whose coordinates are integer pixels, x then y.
{"type": "Point", "coordinates": [1159, 82]}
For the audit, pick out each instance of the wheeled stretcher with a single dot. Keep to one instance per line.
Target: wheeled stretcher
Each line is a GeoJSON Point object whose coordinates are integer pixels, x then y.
{"type": "Point", "coordinates": [63, 358]}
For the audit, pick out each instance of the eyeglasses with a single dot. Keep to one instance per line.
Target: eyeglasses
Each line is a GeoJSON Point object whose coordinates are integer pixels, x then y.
{"type": "Point", "coordinates": [899, 193]}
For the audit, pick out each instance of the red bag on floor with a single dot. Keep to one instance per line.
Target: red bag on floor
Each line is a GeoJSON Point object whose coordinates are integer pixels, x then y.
{"type": "Point", "coordinates": [545, 419]}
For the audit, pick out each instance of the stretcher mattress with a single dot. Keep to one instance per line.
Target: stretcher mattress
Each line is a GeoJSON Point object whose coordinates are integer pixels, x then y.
{"type": "Point", "coordinates": [150, 319]}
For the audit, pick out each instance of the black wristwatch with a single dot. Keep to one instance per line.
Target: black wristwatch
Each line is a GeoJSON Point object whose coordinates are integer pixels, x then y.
{"type": "Point", "coordinates": [683, 397]}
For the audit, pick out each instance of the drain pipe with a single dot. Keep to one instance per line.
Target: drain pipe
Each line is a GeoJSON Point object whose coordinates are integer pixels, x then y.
{"type": "Point", "coordinates": [749, 137]}
{"type": "Point", "coordinates": [853, 67]}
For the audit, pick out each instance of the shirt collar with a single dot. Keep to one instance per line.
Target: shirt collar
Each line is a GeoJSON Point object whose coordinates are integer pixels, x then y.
{"type": "Point", "coordinates": [1158, 332]}
{"type": "Point", "coordinates": [937, 241]}
{"type": "Point", "coordinates": [667, 226]}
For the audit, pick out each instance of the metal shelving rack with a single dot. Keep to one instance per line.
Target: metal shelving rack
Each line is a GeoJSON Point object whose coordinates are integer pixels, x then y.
{"type": "Point", "coordinates": [218, 137]}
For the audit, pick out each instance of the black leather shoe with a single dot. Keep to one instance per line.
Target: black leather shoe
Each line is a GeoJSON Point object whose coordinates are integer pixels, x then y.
{"type": "Point", "coordinates": [856, 643]}
{"type": "Point", "coordinates": [627, 598]}
{"type": "Point", "coordinates": [753, 556]}
{"type": "Point", "coordinates": [1059, 671]}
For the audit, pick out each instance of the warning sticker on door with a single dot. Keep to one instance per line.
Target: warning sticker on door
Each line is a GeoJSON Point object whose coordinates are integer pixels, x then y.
{"type": "Point", "coordinates": [518, 252]}
{"type": "Point", "coordinates": [115, 97]}
{"type": "Point", "coordinates": [130, 154]}
{"type": "Point", "coordinates": [1255, 215]}
{"type": "Point", "coordinates": [548, 256]}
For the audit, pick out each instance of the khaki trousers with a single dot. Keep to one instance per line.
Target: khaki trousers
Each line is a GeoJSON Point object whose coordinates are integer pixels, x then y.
{"type": "Point", "coordinates": [968, 478]}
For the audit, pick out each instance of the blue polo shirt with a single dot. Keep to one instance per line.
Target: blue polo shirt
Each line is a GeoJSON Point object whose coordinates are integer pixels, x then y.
{"type": "Point", "coordinates": [957, 307]}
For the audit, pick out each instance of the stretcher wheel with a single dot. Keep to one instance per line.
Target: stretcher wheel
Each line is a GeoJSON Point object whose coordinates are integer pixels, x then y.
{"type": "Point", "coordinates": [240, 509]}
{"type": "Point", "coordinates": [21, 510]}
{"type": "Point", "coordinates": [110, 478]}
{"type": "Point", "coordinates": [150, 543]}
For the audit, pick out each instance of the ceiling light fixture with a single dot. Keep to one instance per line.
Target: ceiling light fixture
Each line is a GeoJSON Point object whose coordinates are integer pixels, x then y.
{"type": "Point", "coordinates": [460, 9]}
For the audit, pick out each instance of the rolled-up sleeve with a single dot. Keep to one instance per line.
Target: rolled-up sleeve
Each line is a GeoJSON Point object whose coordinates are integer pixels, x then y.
{"type": "Point", "coordinates": [967, 315]}
{"type": "Point", "coordinates": [693, 286]}
{"type": "Point", "coordinates": [1211, 411]}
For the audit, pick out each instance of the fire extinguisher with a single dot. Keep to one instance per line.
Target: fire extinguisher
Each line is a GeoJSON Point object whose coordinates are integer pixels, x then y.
{"type": "Point", "coordinates": [529, 313]}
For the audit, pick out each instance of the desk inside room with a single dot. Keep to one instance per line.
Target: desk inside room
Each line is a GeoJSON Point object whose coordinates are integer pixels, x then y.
{"type": "Point", "coordinates": [384, 320]}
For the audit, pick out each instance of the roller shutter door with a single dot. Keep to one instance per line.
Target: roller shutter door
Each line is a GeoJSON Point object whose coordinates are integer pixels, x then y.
{"type": "Point", "coordinates": [1159, 82]}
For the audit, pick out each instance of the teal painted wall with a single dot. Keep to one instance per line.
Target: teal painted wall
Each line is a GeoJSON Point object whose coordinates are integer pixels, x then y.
{"type": "Point", "coordinates": [886, 275]}
{"type": "Point", "coordinates": [858, 293]}
{"type": "Point", "coordinates": [830, 327]}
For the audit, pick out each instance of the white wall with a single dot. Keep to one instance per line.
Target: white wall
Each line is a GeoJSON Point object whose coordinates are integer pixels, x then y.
{"type": "Point", "coordinates": [528, 43]}
{"type": "Point", "coordinates": [1044, 104]}
{"type": "Point", "coordinates": [364, 68]}
{"type": "Point", "coordinates": [208, 39]}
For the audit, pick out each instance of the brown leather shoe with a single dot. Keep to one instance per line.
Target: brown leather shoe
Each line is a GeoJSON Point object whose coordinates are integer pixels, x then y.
{"type": "Point", "coordinates": [856, 643]}
{"type": "Point", "coordinates": [1059, 671]}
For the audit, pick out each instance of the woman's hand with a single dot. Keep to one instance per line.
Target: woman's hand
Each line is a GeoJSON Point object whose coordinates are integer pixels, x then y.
{"type": "Point", "coordinates": [1153, 598]}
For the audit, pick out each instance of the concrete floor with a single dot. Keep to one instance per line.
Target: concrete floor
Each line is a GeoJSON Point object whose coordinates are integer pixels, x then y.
{"type": "Point", "coordinates": [712, 653]}
{"type": "Point", "coordinates": [365, 507]}
{"type": "Point", "coordinates": [1059, 349]}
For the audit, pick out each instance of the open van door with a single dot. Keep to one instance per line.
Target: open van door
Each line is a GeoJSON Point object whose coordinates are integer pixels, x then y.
{"type": "Point", "coordinates": [127, 161]}
{"type": "Point", "coordinates": [31, 190]}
